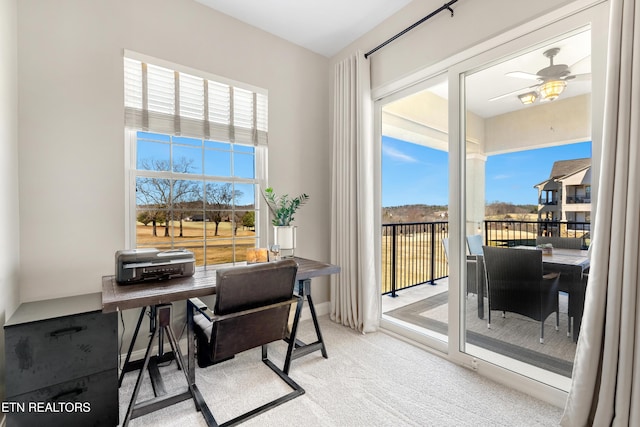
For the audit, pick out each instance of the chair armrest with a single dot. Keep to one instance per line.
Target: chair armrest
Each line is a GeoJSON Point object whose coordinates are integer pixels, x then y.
{"type": "Point", "coordinates": [198, 305]}
{"type": "Point", "coordinates": [550, 276]}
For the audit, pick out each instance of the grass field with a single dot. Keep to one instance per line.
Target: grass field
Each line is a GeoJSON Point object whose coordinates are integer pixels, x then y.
{"type": "Point", "coordinates": [220, 248]}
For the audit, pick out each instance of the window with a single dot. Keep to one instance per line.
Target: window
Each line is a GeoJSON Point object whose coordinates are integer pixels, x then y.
{"type": "Point", "coordinates": [197, 146]}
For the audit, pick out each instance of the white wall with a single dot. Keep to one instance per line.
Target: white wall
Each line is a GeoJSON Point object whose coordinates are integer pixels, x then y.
{"type": "Point", "coordinates": [442, 36]}
{"type": "Point", "coordinates": [9, 218]}
{"type": "Point", "coordinates": [71, 125]}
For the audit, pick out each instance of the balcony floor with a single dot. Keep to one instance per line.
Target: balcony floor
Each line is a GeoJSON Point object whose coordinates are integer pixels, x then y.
{"type": "Point", "coordinates": [514, 336]}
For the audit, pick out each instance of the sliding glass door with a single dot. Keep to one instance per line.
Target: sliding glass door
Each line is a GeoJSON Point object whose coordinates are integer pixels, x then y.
{"type": "Point", "coordinates": [528, 178]}
{"type": "Point", "coordinates": [415, 227]}
{"type": "Point", "coordinates": [507, 135]}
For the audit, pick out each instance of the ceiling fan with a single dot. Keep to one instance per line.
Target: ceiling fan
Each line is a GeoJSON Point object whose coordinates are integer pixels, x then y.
{"type": "Point", "coordinates": [552, 80]}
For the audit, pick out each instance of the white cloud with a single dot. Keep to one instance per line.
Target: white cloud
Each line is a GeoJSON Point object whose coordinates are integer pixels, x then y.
{"type": "Point", "coordinates": [398, 155]}
{"type": "Point", "coordinates": [501, 177]}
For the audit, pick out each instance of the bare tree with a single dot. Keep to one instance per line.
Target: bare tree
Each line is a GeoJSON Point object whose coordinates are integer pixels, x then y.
{"type": "Point", "coordinates": [218, 199]}
{"type": "Point", "coordinates": [159, 196]}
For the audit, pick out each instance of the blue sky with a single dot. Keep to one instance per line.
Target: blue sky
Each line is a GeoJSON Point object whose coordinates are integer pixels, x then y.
{"type": "Point", "coordinates": [200, 157]}
{"type": "Point", "coordinates": [413, 174]}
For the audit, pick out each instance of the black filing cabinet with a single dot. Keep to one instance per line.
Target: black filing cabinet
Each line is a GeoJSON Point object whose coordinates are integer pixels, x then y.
{"type": "Point", "coordinates": [61, 363]}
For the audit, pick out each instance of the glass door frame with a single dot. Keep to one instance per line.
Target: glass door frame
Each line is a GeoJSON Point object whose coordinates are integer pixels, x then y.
{"type": "Point", "coordinates": [415, 334]}
{"type": "Point", "coordinates": [539, 31]}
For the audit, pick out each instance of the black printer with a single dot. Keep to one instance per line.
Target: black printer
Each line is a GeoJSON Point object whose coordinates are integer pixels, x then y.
{"type": "Point", "coordinates": [139, 265]}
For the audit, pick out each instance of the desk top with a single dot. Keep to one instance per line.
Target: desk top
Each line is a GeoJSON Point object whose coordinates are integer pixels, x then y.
{"type": "Point", "coordinates": [122, 297]}
{"type": "Point", "coordinates": [571, 257]}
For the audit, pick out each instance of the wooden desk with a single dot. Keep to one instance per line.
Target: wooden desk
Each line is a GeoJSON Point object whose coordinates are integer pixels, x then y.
{"type": "Point", "coordinates": [123, 297]}
{"type": "Point", "coordinates": [154, 294]}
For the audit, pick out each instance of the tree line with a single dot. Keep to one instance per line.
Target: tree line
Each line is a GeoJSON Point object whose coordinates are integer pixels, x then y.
{"type": "Point", "coordinates": [161, 200]}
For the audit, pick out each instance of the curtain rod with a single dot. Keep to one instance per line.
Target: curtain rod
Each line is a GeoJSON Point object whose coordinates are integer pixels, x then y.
{"type": "Point", "coordinates": [446, 6]}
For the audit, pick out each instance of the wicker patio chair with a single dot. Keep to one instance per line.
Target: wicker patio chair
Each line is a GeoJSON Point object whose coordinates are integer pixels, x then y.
{"type": "Point", "coordinates": [473, 262]}
{"type": "Point", "coordinates": [560, 242]}
{"type": "Point", "coordinates": [516, 284]}
{"type": "Point", "coordinates": [566, 281]}
{"type": "Point", "coordinates": [474, 243]}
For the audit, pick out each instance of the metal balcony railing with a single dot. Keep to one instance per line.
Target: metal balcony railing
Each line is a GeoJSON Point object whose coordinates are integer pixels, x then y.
{"type": "Point", "coordinates": [413, 254]}
{"type": "Point", "coordinates": [578, 199]}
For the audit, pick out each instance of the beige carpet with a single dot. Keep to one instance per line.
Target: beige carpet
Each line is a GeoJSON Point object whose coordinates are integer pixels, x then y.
{"type": "Point", "coordinates": [368, 380]}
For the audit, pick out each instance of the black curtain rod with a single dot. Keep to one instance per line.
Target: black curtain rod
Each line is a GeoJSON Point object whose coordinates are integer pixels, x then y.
{"type": "Point", "coordinates": [446, 6]}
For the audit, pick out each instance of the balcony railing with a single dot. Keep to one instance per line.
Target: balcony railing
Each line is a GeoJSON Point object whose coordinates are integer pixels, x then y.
{"type": "Point", "coordinates": [413, 254]}
{"type": "Point", "coordinates": [578, 199]}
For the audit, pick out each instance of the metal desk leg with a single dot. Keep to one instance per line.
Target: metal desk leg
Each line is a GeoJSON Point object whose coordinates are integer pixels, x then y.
{"type": "Point", "coordinates": [133, 341]}
{"type": "Point", "coordinates": [162, 321]}
{"type": "Point", "coordinates": [298, 348]}
{"type": "Point", "coordinates": [201, 404]}
{"type": "Point", "coordinates": [134, 365]}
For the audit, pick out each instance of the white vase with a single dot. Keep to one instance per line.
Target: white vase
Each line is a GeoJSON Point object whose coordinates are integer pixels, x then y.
{"type": "Point", "coordinates": [285, 237]}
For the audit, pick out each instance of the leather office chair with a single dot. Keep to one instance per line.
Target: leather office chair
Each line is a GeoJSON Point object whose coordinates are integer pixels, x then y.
{"type": "Point", "coordinates": [516, 283]}
{"type": "Point", "coordinates": [251, 310]}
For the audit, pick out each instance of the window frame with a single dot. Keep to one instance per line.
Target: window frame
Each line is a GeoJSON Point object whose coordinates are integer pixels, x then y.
{"type": "Point", "coordinates": [132, 173]}
{"type": "Point", "coordinates": [221, 110]}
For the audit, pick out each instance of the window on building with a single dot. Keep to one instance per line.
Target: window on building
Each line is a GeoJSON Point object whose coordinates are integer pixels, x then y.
{"type": "Point", "coordinates": [196, 150]}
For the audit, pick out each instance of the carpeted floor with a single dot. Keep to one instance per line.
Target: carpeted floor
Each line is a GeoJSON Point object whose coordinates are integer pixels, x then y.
{"type": "Point", "coordinates": [514, 336]}
{"type": "Point", "coordinates": [368, 380]}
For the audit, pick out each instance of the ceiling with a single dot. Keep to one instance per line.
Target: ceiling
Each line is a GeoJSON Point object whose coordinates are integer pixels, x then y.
{"type": "Point", "coordinates": [491, 82]}
{"type": "Point", "coordinates": [322, 26]}
{"type": "Point", "coordinates": [328, 26]}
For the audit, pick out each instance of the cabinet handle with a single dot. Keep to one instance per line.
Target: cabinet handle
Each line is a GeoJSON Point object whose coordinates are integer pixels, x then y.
{"type": "Point", "coordinates": [69, 393]}
{"type": "Point", "coordinates": [67, 331]}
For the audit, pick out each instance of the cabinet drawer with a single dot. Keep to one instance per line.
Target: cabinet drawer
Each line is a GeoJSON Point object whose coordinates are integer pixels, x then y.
{"type": "Point", "coordinates": [86, 401]}
{"type": "Point", "coordinates": [44, 353]}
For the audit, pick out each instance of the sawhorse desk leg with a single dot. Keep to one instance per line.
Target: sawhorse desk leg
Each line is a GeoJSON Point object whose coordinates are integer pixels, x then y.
{"type": "Point", "coordinates": [161, 324]}
{"type": "Point", "coordinates": [298, 348]}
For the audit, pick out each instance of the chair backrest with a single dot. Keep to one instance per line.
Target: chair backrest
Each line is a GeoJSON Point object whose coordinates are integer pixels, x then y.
{"type": "Point", "coordinates": [474, 243]}
{"type": "Point", "coordinates": [445, 245]}
{"type": "Point", "coordinates": [560, 242]}
{"type": "Point", "coordinates": [512, 268]}
{"type": "Point", "coordinates": [242, 316]}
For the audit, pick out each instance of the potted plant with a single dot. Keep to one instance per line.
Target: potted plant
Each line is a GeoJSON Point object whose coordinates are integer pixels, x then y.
{"type": "Point", "coordinates": [283, 208]}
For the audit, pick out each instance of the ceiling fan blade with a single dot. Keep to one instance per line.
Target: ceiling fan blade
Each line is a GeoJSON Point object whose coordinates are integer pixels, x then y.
{"type": "Point", "coordinates": [581, 66]}
{"type": "Point", "coordinates": [522, 75]}
{"type": "Point", "coordinates": [515, 92]}
{"type": "Point", "coordinates": [581, 77]}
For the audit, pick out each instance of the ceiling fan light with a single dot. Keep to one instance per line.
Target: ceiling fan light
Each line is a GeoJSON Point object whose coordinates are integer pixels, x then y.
{"type": "Point", "coordinates": [528, 98]}
{"type": "Point", "coordinates": [552, 89]}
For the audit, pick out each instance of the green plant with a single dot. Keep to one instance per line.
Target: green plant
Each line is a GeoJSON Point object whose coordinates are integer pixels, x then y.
{"type": "Point", "coordinates": [283, 207]}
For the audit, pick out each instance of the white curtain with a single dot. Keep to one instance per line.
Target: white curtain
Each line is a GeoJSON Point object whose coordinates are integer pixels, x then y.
{"type": "Point", "coordinates": [354, 294]}
{"type": "Point", "coordinates": [606, 374]}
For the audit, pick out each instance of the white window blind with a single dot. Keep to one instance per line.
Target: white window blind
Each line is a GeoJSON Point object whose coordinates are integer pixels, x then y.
{"type": "Point", "coordinates": [159, 99]}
